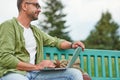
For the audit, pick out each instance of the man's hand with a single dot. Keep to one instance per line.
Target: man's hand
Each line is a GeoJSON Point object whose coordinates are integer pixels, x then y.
{"type": "Point", "coordinates": [78, 44]}
{"type": "Point", "coordinates": [46, 63]}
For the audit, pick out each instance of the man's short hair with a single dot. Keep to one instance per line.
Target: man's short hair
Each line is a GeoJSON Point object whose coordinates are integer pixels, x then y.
{"type": "Point", "coordinates": [19, 2]}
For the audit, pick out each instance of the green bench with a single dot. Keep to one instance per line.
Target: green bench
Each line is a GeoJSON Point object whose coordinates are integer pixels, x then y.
{"type": "Point", "coordinates": [99, 64]}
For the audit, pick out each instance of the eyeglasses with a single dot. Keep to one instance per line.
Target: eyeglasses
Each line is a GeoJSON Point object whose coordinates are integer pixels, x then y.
{"type": "Point", "coordinates": [35, 4]}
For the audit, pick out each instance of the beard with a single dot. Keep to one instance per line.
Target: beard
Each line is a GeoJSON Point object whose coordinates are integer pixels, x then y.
{"type": "Point", "coordinates": [34, 16]}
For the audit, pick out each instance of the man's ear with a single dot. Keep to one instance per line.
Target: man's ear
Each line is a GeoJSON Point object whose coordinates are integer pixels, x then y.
{"type": "Point", "coordinates": [24, 6]}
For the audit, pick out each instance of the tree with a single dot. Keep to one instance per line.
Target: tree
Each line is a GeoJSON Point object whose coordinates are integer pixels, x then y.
{"type": "Point", "coordinates": [53, 22]}
{"type": "Point", "coordinates": [105, 35]}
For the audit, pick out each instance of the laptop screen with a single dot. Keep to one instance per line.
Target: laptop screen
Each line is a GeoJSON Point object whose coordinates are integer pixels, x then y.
{"type": "Point", "coordinates": [74, 57]}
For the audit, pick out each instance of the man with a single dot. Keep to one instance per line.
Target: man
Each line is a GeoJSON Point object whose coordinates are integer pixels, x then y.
{"type": "Point", "coordinates": [21, 48]}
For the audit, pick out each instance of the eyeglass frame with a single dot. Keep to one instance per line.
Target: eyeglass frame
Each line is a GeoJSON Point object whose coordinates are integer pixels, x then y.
{"type": "Point", "coordinates": [37, 5]}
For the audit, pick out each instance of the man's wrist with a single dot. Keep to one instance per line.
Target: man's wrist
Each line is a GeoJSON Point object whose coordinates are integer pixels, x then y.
{"type": "Point", "coordinates": [71, 45]}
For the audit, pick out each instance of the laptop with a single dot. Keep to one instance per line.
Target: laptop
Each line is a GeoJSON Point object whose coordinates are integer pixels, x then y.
{"type": "Point", "coordinates": [74, 57]}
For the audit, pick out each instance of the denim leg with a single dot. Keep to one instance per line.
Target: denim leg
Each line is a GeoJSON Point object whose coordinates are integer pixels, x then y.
{"type": "Point", "coordinates": [14, 76]}
{"type": "Point", "coordinates": [69, 74]}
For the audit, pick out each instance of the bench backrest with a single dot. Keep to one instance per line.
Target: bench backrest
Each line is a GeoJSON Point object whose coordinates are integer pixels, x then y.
{"type": "Point", "coordinates": [99, 64]}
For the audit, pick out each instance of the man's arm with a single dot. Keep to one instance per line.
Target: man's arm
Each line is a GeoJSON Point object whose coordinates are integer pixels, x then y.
{"type": "Point", "coordinates": [26, 66]}
{"type": "Point", "coordinates": [68, 45]}
{"type": "Point", "coordinates": [7, 46]}
{"type": "Point", "coordinates": [30, 67]}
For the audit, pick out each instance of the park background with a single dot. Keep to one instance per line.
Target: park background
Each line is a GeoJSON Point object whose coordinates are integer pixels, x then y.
{"type": "Point", "coordinates": [80, 20]}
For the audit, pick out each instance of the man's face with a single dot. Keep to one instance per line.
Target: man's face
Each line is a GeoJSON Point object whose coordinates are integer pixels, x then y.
{"type": "Point", "coordinates": [32, 9]}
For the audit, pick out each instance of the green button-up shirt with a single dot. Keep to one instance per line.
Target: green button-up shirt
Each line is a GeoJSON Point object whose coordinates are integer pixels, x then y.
{"type": "Point", "coordinates": [12, 45]}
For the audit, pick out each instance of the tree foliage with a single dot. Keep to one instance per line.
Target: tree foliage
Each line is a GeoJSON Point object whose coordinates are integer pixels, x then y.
{"type": "Point", "coordinates": [53, 22]}
{"type": "Point", "coordinates": [105, 35]}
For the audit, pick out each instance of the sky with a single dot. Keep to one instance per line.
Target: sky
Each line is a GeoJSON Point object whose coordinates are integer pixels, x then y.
{"type": "Point", "coordinates": [82, 15]}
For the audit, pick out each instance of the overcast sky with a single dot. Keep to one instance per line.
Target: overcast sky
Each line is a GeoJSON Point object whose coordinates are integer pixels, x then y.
{"type": "Point", "coordinates": [82, 15]}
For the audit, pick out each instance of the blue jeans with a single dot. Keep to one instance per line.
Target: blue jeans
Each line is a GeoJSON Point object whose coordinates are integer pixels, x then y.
{"type": "Point", "coordinates": [69, 74]}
